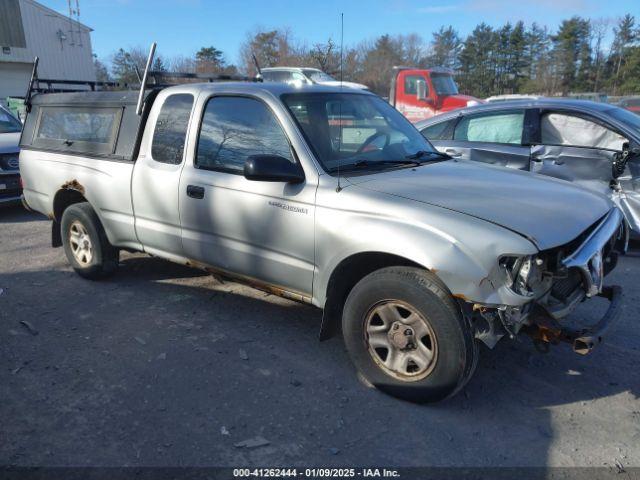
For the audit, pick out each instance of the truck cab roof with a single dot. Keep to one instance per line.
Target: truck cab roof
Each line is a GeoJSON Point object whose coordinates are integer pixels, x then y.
{"type": "Point", "coordinates": [130, 97]}
{"type": "Point", "coordinates": [289, 69]}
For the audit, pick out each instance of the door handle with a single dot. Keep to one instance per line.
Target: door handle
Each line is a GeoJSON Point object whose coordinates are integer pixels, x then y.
{"type": "Point", "coordinates": [194, 191]}
{"type": "Point", "coordinates": [452, 153]}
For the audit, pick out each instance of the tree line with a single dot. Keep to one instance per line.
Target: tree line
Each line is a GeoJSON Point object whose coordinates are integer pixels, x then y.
{"type": "Point", "coordinates": [513, 58]}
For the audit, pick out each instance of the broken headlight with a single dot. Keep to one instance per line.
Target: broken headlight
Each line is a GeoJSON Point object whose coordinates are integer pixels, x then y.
{"type": "Point", "coordinates": [522, 273]}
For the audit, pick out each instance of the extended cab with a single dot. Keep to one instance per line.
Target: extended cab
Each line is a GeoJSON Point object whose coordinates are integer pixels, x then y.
{"type": "Point", "coordinates": [330, 197]}
{"type": "Point", "coordinates": [422, 93]}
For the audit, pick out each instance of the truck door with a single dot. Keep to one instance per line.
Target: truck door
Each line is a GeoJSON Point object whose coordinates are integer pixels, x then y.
{"type": "Point", "coordinates": [156, 175]}
{"type": "Point", "coordinates": [406, 96]}
{"type": "Point", "coordinates": [258, 229]}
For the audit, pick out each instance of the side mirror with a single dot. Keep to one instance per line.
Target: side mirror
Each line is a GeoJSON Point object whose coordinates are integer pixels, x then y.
{"type": "Point", "coordinates": [272, 168]}
{"type": "Point", "coordinates": [620, 160]}
{"type": "Point", "coordinates": [421, 88]}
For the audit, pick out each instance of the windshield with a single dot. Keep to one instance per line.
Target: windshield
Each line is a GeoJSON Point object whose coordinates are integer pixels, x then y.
{"type": "Point", "coordinates": [349, 130]}
{"type": "Point", "coordinates": [317, 76]}
{"type": "Point", "coordinates": [630, 119]}
{"type": "Point", "coordinates": [444, 84]}
{"type": "Point", "coordinates": [8, 124]}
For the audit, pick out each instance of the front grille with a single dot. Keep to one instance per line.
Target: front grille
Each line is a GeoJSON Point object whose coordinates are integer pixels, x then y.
{"type": "Point", "coordinates": [576, 242]}
{"type": "Point", "coordinates": [9, 162]}
{"type": "Point", "coordinates": [572, 264]}
{"type": "Point", "coordinates": [564, 287]}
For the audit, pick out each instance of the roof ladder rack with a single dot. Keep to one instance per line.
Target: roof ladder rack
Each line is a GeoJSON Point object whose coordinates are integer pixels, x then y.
{"type": "Point", "coordinates": [143, 83]}
{"type": "Point", "coordinates": [158, 79]}
{"type": "Point", "coordinates": [34, 78]}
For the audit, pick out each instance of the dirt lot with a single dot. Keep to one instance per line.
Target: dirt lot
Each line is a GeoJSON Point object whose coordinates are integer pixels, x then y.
{"type": "Point", "coordinates": [163, 365]}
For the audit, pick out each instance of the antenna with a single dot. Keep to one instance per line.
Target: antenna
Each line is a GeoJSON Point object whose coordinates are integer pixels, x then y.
{"type": "Point", "coordinates": [339, 188]}
{"type": "Point", "coordinates": [78, 23]}
{"type": "Point", "coordinates": [258, 69]}
{"type": "Point", "coordinates": [71, 31]}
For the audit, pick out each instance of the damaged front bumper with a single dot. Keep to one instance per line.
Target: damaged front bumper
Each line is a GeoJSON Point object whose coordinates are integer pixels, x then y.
{"type": "Point", "coordinates": [580, 277]}
{"type": "Point", "coordinates": [588, 259]}
{"type": "Point", "coordinates": [546, 330]}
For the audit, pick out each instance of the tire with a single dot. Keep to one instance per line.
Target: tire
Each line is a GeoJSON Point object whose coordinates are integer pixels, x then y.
{"type": "Point", "coordinates": [80, 224]}
{"type": "Point", "coordinates": [409, 298]}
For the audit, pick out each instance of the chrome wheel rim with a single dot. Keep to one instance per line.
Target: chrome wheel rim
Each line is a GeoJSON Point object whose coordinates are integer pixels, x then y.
{"type": "Point", "coordinates": [400, 340]}
{"type": "Point", "coordinates": [80, 243]}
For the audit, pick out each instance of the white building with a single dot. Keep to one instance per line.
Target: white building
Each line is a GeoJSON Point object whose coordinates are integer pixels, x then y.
{"type": "Point", "coordinates": [29, 29]}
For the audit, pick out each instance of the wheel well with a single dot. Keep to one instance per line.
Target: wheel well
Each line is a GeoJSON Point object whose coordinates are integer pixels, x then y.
{"type": "Point", "coordinates": [345, 276]}
{"type": "Point", "coordinates": [63, 199]}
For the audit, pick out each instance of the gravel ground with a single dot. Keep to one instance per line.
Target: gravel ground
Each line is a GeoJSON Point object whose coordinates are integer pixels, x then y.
{"type": "Point", "coordinates": [163, 365]}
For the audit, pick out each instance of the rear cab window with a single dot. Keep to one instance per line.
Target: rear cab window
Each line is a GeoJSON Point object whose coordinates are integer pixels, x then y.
{"type": "Point", "coordinates": [78, 129]}
{"type": "Point", "coordinates": [170, 133]}
{"type": "Point", "coordinates": [494, 127]}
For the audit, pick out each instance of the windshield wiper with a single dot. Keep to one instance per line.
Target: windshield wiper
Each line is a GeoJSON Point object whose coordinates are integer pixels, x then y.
{"type": "Point", "coordinates": [373, 163]}
{"type": "Point", "coordinates": [408, 160]}
{"type": "Point", "coordinates": [422, 153]}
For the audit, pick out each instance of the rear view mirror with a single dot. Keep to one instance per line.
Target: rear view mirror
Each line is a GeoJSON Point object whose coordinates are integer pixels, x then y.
{"type": "Point", "coordinates": [633, 148]}
{"type": "Point", "coordinates": [272, 168]}
{"type": "Point", "coordinates": [421, 89]}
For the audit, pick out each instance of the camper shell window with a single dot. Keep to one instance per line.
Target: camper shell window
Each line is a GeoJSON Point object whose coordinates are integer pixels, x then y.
{"type": "Point", "coordinates": [101, 124]}
{"type": "Point", "coordinates": [78, 129]}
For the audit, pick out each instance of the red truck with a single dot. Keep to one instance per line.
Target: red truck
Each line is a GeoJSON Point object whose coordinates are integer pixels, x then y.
{"type": "Point", "coordinates": [422, 93]}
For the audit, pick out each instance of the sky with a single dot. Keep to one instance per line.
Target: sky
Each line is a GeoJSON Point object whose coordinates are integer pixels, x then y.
{"type": "Point", "coordinates": [181, 27]}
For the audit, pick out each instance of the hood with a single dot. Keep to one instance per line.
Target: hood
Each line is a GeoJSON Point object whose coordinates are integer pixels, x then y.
{"type": "Point", "coordinates": [452, 102]}
{"type": "Point", "coordinates": [336, 83]}
{"type": "Point", "coordinates": [547, 211]}
{"type": "Point", "coordinates": [9, 142]}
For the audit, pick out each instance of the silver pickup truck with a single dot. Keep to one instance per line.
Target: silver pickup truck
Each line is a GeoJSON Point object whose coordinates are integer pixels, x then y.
{"type": "Point", "coordinates": [331, 197]}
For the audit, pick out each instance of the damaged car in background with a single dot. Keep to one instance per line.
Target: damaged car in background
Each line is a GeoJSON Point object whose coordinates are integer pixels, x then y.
{"type": "Point", "coordinates": [330, 197]}
{"type": "Point", "coordinates": [594, 145]}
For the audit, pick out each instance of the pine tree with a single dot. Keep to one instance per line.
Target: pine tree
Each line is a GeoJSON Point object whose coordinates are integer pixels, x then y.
{"type": "Point", "coordinates": [571, 51]}
{"type": "Point", "coordinates": [625, 35]}
{"type": "Point", "coordinates": [445, 48]}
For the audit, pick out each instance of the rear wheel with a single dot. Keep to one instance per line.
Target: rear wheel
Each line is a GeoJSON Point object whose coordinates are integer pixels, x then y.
{"type": "Point", "coordinates": [406, 335]}
{"type": "Point", "coordinates": [85, 243]}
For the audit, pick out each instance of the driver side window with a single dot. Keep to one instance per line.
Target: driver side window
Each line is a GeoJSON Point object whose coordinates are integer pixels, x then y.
{"type": "Point", "coordinates": [570, 130]}
{"type": "Point", "coordinates": [233, 128]}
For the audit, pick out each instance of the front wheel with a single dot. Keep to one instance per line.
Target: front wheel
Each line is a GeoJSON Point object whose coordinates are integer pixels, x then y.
{"type": "Point", "coordinates": [85, 243]}
{"type": "Point", "coordinates": [406, 335]}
